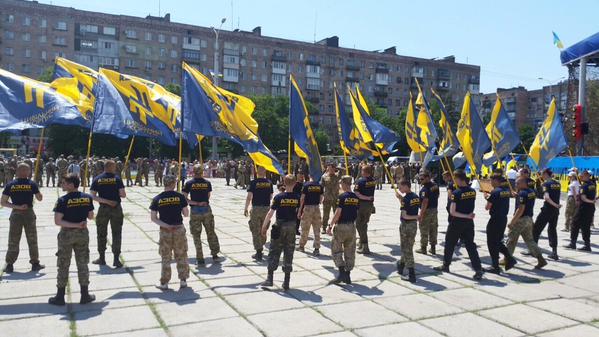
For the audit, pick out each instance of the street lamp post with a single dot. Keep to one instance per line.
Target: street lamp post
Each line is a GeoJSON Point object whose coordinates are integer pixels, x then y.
{"type": "Point", "coordinates": [215, 76]}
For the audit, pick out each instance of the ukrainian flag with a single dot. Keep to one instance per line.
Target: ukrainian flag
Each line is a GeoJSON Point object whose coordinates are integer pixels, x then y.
{"type": "Point", "coordinates": [550, 140]}
{"type": "Point", "coordinates": [212, 111]}
{"type": "Point", "coordinates": [472, 135]}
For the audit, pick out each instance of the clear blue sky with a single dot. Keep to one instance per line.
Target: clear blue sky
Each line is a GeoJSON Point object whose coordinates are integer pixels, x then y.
{"type": "Point", "coordinates": [511, 40]}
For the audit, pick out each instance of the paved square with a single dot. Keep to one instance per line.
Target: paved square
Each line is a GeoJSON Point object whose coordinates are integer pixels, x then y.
{"type": "Point", "coordinates": [225, 299]}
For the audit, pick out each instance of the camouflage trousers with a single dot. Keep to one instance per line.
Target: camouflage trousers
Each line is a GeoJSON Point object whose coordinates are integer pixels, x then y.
{"type": "Point", "coordinates": [196, 222]}
{"type": "Point", "coordinates": [173, 242]}
{"type": "Point", "coordinates": [257, 215]}
{"type": "Point", "coordinates": [328, 206]}
{"type": "Point", "coordinates": [158, 179]}
{"type": "Point", "coordinates": [407, 237]}
{"type": "Point", "coordinates": [50, 177]}
{"type": "Point", "coordinates": [343, 246]}
{"type": "Point", "coordinates": [61, 174]}
{"type": "Point", "coordinates": [310, 219]}
{"type": "Point", "coordinates": [522, 227]}
{"type": "Point", "coordinates": [365, 209]}
{"type": "Point", "coordinates": [570, 210]}
{"type": "Point", "coordinates": [72, 240]}
{"type": "Point", "coordinates": [282, 240]}
{"type": "Point", "coordinates": [20, 220]}
{"type": "Point", "coordinates": [114, 215]}
{"type": "Point", "coordinates": [428, 228]}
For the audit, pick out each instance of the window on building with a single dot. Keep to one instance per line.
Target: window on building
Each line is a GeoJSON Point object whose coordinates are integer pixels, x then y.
{"type": "Point", "coordinates": [254, 51]}
{"type": "Point", "coordinates": [88, 29]}
{"type": "Point", "coordinates": [90, 44]}
{"type": "Point", "coordinates": [313, 83]}
{"type": "Point", "coordinates": [254, 77]}
{"type": "Point", "coordinates": [107, 45]}
{"type": "Point", "coordinates": [27, 21]}
{"type": "Point", "coordinates": [109, 31]}
{"type": "Point", "coordinates": [9, 51]}
{"type": "Point", "coordinates": [278, 79]}
{"type": "Point", "coordinates": [131, 63]}
{"type": "Point", "coordinates": [161, 66]}
{"type": "Point", "coordinates": [25, 68]}
{"type": "Point", "coordinates": [148, 51]}
{"type": "Point", "coordinates": [11, 67]}
{"type": "Point", "coordinates": [173, 53]}
{"type": "Point", "coordinates": [60, 41]}
{"type": "Point", "coordinates": [174, 68]}
{"type": "Point", "coordinates": [9, 35]}
{"type": "Point", "coordinates": [131, 49]}
{"type": "Point", "coordinates": [61, 25]}
{"type": "Point", "coordinates": [191, 54]}
{"type": "Point", "coordinates": [161, 38]}
{"type": "Point", "coordinates": [44, 55]}
{"type": "Point", "coordinates": [42, 38]}
{"type": "Point", "coordinates": [265, 52]}
{"type": "Point", "coordinates": [162, 52]}
{"type": "Point", "coordinates": [231, 59]}
{"type": "Point", "coordinates": [10, 18]}
{"type": "Point", "coordinates": [174, 39]}
{"type": "Point", "coordinates": [279, 65]}
{"type": "Point", "coordinates": [263, 78]}
{"type": "Point", "coordinates": [312, 69]}
{"type": "Point", "coordinates": [203, 44]}
{"type": "Point", "coordinates": [148, 36]}
{"type": "Point", "coordinates": [160, 80]}
{"type": "Point", "coordinates": [43, 23]}
{"type": "Point", "coordinates": [203, 57]}
{"type": "Point", "coordinates": [148, 65]}
{"type": "Point", "coordinates": [26, 37]}
{"type": "Point", "coordinates": [131, 34]}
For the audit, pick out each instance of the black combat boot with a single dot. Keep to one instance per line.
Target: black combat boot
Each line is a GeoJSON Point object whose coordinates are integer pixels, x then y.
{"type": "Point", "coordinates": [422, 250]}
{"type": "Point", "coordinates": [258, 256]}
{"type": "Point", "coordinates": [510, 262]}
{"type": "Point", "coordinates": [365, 249]}
{"type": "Point", "coordinates": [411, 276]}
{"type": "Point", "coordinates": [340, 277]}
{"type": "Point", "coordinates": [86, 297]}
{"type": "Point", "coordinates": [286, 280]}
{"type": "Point", "coordinates": [360, 249]}
{"type": "Point", "coordinates": [347, 278]}
{"type": "Point", "coordinates": [117, 261]}
{"type": "Point", "coordinates": [268, 282]}
{"type": "Point", "coordinates": [442, 268]}
{"type": "Point", "coordinates": [9, 268]}
{"type": "Point", "coordinates": [59, 298]}
{"type": "Point", "coordinates": [400, 267]}
{"type": "Point", "coordinates": [37, 266]}
{"type": "Point", "coordinates": [433, 250]}
{"type": "Point", "coordinates": [553, 254]}
{"type": "Point", "coordinates": [101, 260]}
{"type": "Point", "coordinates": [478, 275]}
{"type": "Point", "coordinates": [494, 269]}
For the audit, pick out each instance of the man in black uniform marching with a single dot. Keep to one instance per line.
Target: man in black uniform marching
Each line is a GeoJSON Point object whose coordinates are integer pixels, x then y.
{"type": "Point", "coordinates": [107, 189]}
{"type": "Point", "coordinates": [71, 213]}
{"type": "Point", "coordinates": [282, 235]}
{"type": "Point", "coordinates": [498, 204]}
{"type": "Point", "coordinates": [583, 218]}
{"type": "Point", "coordinates": [364, 189]}
{"type": "Point", "coordinates": [260, 192]}
{"type": "Point", "coordinates": [549, 212]}
{"type": "Point", "coordinates": [462, 225]}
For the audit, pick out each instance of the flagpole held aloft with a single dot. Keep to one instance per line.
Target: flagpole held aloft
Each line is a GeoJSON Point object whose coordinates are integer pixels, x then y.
{"type": "Point", "coordinates": [128, 153]}
{"type": "Point", "coordinates": [180, 159]}
{"type": "Point", "coordinates": [39, 155]}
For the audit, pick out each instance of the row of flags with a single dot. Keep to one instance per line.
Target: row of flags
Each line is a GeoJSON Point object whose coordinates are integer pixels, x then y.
{"type": "Point", "coordinates": [123, 105]}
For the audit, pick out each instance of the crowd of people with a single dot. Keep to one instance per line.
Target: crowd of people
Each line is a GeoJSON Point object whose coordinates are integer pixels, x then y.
{"type": "Point", "coordinates": [347, 202]}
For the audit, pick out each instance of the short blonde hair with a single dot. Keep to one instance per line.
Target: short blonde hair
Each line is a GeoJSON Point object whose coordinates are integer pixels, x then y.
{"type": "Point", "coordinates": [289, 180]}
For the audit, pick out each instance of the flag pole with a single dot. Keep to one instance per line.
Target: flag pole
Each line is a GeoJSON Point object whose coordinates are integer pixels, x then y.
{"type": "Point", "coordinates": [128, 153]}
{"type": "Point", "coordinates": [289, 130]}
{"type": "Point", "coordinates": [346, 162]}
{"type": "Point", "coordinates": [38, 157]}
{"type": "Point", "coordinates": [200, 151]}
{"type": "Point", "coordinates": [180, 159]}
{"type": "Point", "coordinates": [89, 148]}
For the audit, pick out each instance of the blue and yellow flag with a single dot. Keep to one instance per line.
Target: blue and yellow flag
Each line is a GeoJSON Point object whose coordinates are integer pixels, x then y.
{"type": "Point", "coordinates": [301, 131]}
{"type": "Point", "coordinates": [425, 123]}
{"type": "Point", "coordinates": [472, 135]}
{"type": "Point", "coordinates": [412, 130]}
{"type": "Point", "coordinates": [212, 111]}
{"type": "Point", "coordinates": [557, 42]}
{"type": "Point", "coordinates": [550, 140]}
{"type": "Point", "coordinates": [349, 136]}
{"type": "Point", "coordinates": [78, 80]}
{"type": "Point", "coordinates": [449, 144]}
{"type": "Point", "coordinates": [370, 129]}
{"type": "Point", "coordinates": [504, 137]}
{"type": "Point", "coordinates": [29, 104]}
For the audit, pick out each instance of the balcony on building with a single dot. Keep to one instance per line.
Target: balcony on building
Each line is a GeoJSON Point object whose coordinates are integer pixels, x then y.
{"type": "Point", "coordinates": [380, 91]}
{"type": "Point", "coordinates": [191, 56]}
{"type": "Point", "coordinates": [381, 68]}
{"type": "Point", "coordinates": [279, 67]}
{"type": "Point", "coordinates": [230, 75]}
{"type": "Point", "coordinates": [191, 43]}
{"type": "Point", "coordinates": [418, 71]}
{"type": "Point", "coordinates": [381, 79]}
{"type": "Point", "coordinates": [352, 65]}
{"type": "Point", "coordinates": [443, 85]}
{"type": "Point", "coordinates": [443, 74]}
{"type": "Point", "coordinates": [279, 56]}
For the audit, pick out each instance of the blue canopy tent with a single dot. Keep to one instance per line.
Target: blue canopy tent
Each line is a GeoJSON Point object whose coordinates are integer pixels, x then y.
{"type": "Point", "coordinates": [588, 48]}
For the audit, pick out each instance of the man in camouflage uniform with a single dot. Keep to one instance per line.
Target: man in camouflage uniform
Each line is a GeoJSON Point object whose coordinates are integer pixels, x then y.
{"type": "Point", "coordinates": [50, 172]}
{"type": "Point", "coordinates": [2, 166]}
{"type": "Point", "coordinates": [260, 192]}
{"type": "Point", "coordinates": [29, 162]}
{"type": "Point", "coordinates": [158, 172]}
{"type": "Point", "coordinates": [98, 167]}
{"type": "Point", "coordinates": [38, 166]}
{"type": "Point", "coordinates": [22, 217]}
{"type": "Point", "coordinates": [119, 167]}
{"type": "Point", "coordinates": [379, 175]}
{"type": "Point", "coordinates": [71, 213]}
{"type": "Point", "coordinates": [410, 202]}
{"type": "Point", "coordinates": [197, 191]}
{"type": "Point", "coordinates": [397, 172]}
{"type": "Point", "coordinates": [309, 214]}
{"type": "Point", "coordinates": [240, 175]}
{"type": "Point", "coordinates": [343, 229]}
{"type": "Point", "coordinates": [10, 169]}
{"type": "Point", "coordinates": [571, 204]}
{"type": "Point", "coordinates": [145, 170]}
{"type": "Point", "coordinates": [428, 218]}
{"type": "Point", "coordinates": [330, 183]}
{"type": "Point", "coordinates": [62, 165]}
{"type": "Point", "coordinates": [364, 188]}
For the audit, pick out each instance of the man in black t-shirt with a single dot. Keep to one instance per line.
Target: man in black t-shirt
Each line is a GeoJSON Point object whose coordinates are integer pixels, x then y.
{"type": "Point", "coordinates": [429, 223]}
{"type": "Point", "coordinates": [309, 214]}
{"type": "Point", "coordinates": [343, 229]}
{"type": "Point", "coordinates": [521, 224]}
{"type": "Point", "coordinates": [108, 189]}
{"type": "Point", "coordinates": [71, 213]}
{"type": "Point", "coordinates": [410, 203]}
{"type": "Point", "coordinates": [282, 235]}
{"type": "Point", "coordinates": [260, 192]}
{"type": "Point", "coordinates": [198, 191]}
{"type": "Point", "coordinates": [584, 215]}
{"type": "Point", "coordinates": [498, 204]}
{"type": "Point", "coordinates": [167, 211]}
{"type": "Point", "coordinates": [549, 212]}
{"type": "Point", "coordinates": [462, 225]}
{"type": "Point", "coordinates": [22, 217]}
{"type": "Point", "coordinates": [364, 188]}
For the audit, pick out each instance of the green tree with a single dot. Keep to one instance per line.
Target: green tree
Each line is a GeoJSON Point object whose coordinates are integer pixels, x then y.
{"type": "Point", "coordinates": [322, 139]}
{"type": "Point", "coordinates": [46, 76]}
{"type": "Point", "coordinates": [527, 136]}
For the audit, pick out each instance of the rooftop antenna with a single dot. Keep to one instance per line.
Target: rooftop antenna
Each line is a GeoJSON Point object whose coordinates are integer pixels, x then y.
{"type": "Point", "coordinates": [315, 20]}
